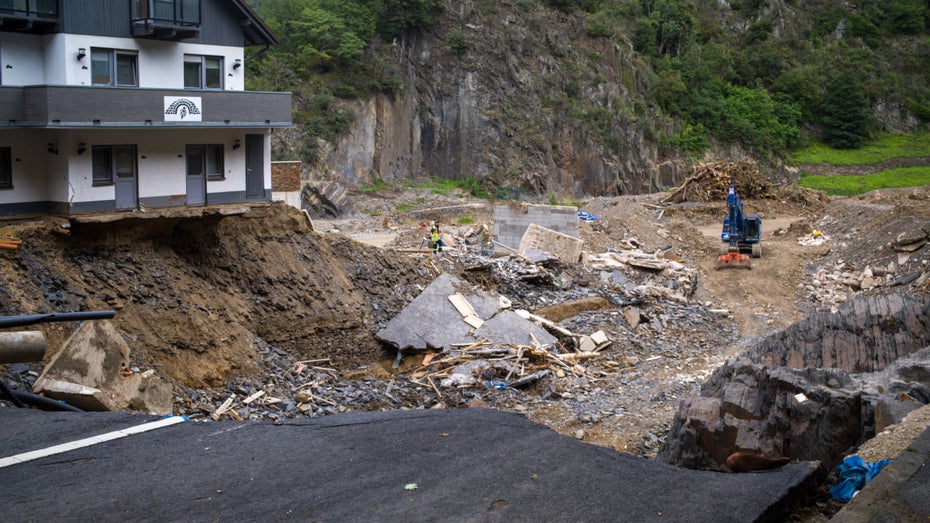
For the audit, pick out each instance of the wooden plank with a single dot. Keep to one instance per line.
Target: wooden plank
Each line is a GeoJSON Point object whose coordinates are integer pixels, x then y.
{"type": "Point", "coordinates": [223, 408]}
{"type": "Point", "coordinates": [253, 397]}
{"type": "Point", "coordinates": [461, 304]}
{"type": "Point", "coordinates": [474, 321]}
{"type": "Point", "coordinates": [466, 310]}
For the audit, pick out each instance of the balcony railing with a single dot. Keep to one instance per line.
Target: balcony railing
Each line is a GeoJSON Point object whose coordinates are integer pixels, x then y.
{"type": "Point", "coordinates": [29, 16]}
{"type": "Point", "coordinates": [83, 106]}
{"type": "Point", "coordinates": [166, 19]}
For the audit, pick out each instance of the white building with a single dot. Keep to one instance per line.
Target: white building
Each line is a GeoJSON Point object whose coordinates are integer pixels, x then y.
{"type": "Point", "coordinates": [106, 105]}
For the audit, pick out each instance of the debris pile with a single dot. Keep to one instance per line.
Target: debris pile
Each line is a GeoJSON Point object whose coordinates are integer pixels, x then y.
{"type": "Point", "coordinates": [709, 183]}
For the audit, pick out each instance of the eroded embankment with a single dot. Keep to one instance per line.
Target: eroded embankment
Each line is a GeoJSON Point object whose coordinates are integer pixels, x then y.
{"type": "Point", "coordinates": [192, 293]}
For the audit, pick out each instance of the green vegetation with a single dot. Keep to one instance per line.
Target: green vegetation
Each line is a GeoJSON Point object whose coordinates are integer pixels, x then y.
{"type": "Point", "coordinates": [465, 220]}
{"type": "Point", "coordinates": [853, 185]}
{"type": "Point", "coordinates": [329, 50]}
{"type": "Point", "coordinates": [376, 185]}
{"type": "Point", "coordinates": [770, 87]}
{"type": "Point", "coordinates": [762, 87]}
{"type": "Point", "coordinates": [884, 147]}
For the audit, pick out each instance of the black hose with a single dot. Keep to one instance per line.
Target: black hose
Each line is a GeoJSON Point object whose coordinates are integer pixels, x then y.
{"type": "Point", "coordinates": [42, 402]}
{"type": "Point", "coordinates": [6, 393]}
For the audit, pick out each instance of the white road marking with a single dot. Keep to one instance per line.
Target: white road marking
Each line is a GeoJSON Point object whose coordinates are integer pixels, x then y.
{"type": "Point", "coordinates": [86, 442]}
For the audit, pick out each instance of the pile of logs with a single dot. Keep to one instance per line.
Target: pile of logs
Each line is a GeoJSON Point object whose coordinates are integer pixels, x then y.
{"type": "Point", "coordinates": [710, 182]}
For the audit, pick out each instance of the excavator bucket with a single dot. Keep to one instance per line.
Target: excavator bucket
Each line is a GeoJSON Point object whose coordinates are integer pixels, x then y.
{"type": "Point", "coordinates": [733, 258]}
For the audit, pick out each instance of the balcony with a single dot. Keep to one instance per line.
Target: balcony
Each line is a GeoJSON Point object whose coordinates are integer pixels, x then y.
{"type": "Point", "coordinates": [109, 107]}
{"type": "Point", "coordinates": [29, 16]}
{"type": "Point", "coordinates": [165, 19]}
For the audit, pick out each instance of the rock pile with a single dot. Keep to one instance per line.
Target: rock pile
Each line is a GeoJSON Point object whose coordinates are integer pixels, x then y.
{"type": "Point", "coordinates": [813, 391]}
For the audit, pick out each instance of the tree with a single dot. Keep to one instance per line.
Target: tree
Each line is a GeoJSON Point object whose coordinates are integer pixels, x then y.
{"type": "Point", "coordinates": [846, 115]}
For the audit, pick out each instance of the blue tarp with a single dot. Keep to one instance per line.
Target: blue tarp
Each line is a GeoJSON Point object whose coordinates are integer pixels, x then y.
{"type": "Point", "coordinates": [585, 216]}
{"type": "Point", "coordinates": [854, 474]}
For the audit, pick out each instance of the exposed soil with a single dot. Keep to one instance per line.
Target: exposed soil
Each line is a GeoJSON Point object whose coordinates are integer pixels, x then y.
{"type": "Point", "coordinates": [205, 299]}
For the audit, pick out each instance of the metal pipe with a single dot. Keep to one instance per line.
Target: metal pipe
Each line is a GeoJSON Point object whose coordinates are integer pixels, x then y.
{"type": "Point", "coordinates": [32, 319]}
{"type": "Point", "coordinates": [22, 346]}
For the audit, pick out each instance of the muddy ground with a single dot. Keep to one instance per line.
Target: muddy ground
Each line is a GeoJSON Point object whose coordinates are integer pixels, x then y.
{"type": "Point", "coordinates": [233, 301]}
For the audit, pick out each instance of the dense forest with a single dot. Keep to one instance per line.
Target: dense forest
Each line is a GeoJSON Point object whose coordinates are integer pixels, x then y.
{"type": "Point", "coordinates": [769, 75]}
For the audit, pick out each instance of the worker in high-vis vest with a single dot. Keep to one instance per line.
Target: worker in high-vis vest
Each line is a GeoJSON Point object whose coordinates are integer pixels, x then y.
{"type": "Point", "coordinates": [435, 237]}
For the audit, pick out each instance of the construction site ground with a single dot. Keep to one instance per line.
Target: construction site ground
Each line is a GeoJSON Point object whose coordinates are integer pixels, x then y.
{"type": "Point", "coordinates": [234, 300]}
{"type": "Point", "coordinates": [630, 410]}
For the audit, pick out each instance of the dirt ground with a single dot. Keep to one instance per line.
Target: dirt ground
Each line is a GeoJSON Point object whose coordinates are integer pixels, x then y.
{"type": "Point", "coordinates": [194, 293]}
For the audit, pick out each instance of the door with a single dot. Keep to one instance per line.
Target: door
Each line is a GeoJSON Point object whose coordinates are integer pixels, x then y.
{"type": "Point", "coordinates": [254, 167]}
{"type": "Point", "coordinates": [124, 161]}
{"type": "Point", "coordinates": [196, 175]}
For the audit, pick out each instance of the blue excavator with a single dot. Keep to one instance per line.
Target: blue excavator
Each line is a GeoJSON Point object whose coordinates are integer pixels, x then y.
{"type": "Point", "coordinates": [741, 234]}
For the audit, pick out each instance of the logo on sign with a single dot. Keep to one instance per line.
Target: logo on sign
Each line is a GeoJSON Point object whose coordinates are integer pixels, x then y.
{"type": "Point", "coordinates": [182, 109]}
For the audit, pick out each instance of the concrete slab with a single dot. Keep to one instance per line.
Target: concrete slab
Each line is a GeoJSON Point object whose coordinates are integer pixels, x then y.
{"type": "Point", "coordinates": [564, 247]}
{"type": "Point", "coordinates": [511, 221]}
{"type": "Point", "coordinates": [432, 321]}
{"type": "Point", "coordinates": [92, 372]}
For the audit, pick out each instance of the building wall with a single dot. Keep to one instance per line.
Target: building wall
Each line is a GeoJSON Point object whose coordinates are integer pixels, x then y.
{"type": "Point", "coordinates": [67, 177]}
{"type": "Point", "coordinates": [23, 57]}
{"type": "Point", "coordinates": [285, 176]}
{"type": "Point", "coordinates": [220, 21]}
{"type": "Point", "coordinates": [31, 163]}
{"type": "Point", "coordinates": [52, 60]}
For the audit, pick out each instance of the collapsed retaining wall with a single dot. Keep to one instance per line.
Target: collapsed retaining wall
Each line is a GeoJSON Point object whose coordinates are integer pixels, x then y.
{"type": "Point", "coordinates": [814, 391]}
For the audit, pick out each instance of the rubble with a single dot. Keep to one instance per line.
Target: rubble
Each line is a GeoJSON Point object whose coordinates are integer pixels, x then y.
{"type": "Point", "coordinates": [432, 320]}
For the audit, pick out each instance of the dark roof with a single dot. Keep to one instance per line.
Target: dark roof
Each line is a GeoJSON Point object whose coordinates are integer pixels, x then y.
{"type": "Point", "coordinates": [254, 28]}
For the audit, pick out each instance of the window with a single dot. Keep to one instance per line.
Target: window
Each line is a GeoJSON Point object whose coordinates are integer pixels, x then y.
{"type": "Point", "coordinates": [111, 161]}
{"type": "Point", "coordinates": [6, 169]}
{"type": "Point", "coordinates": [42, 7]}
{"type": "Point", "coordinates": [113, 67]}
{"type": "Point", "coordinates": [203, 72]}
{"type": "Point", "coordinates": [103, 165]}
{"type": "Point", "coordinates": [206, 159]}
{"type": "Point", "coordinates": [181, 11]}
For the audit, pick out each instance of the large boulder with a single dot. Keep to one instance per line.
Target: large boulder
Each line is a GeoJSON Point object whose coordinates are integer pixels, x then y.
{"type": "Point", "coordinates": [814, 391]}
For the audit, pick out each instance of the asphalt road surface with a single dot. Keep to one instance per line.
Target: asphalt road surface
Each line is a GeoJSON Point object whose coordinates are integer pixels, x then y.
{"type": "Point", "coordinates": [464, 465]}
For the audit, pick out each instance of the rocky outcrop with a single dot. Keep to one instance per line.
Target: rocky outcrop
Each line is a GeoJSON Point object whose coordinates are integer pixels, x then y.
{"type": "Point", "coordinates": [814, 391]}
{"type": "Point", "coordinates": [325, 199]}
{"type": "Point", "coordinates": [509, 103]}
{"type": "Point", "coordinates": [864, 335]}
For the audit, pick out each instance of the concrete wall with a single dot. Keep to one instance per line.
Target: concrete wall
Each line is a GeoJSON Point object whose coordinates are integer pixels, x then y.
{"type": "Point", "coordinates": [511, 221]}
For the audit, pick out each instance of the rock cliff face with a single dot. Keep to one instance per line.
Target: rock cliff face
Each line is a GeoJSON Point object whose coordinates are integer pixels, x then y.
{"type": "Point", "coordinates": [814, 391]}
{"type": "Point", "coordinates": [522, 97]}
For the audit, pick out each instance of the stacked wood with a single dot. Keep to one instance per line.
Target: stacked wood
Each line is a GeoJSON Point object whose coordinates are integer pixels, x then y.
{"type": "Point", "coordinates": [709, 183]}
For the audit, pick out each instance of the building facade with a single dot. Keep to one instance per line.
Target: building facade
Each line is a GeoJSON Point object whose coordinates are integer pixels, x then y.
{"type": "Point", "coordinates": [113, 105]}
